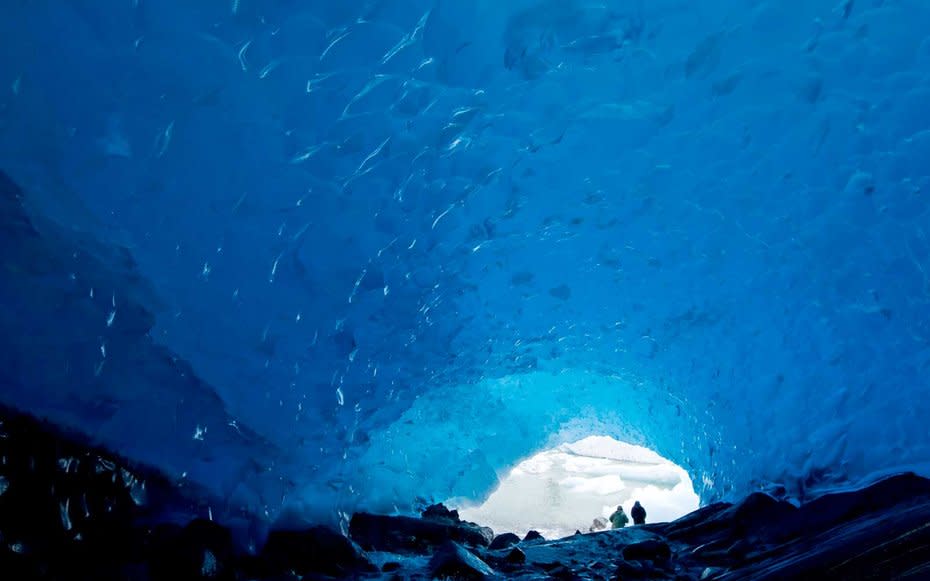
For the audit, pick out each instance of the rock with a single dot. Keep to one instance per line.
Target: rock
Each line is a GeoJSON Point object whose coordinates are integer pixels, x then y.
{"type": "Point", "coordinates": [647, 551]}
{"type": "Point", "coordinates": [698, 525]}
{"type": "Point", "coordinates": [562, 572]}
{"type": "Point", "coordinates": [440, 512]}
{"type": "Point", "coordinates": [533, 536]}
{"type": "Point", "coordinates": [892, 543]}
{"type": "Point", "coordinates": [201, 550]}
{"type": "Point", "coordinates": [314, 550]}
{"type": "Point", "coordinates": [401, 534]}
{"type": "Point", "coordinates": [758, 515]}
{"type": "Point", "coordinates": [739, 549]}
{"type": "Point", "coordinates": [516, 556]}
{"type": "Point", "coordinates": [390, 567]}
{"type": "Point", "coordinates": [69, 510]}
{"type": "Point", "coordinates": [210, 535]}
{"type": "Point", "coordinates": [762, 515]}
{"type": "Point", "coordinates": [452, 560]}
{"type": "Point", "coordinates": [828, 510]}
{"type": "Point", "coordinates": [503, 541]}
{"type": "Point", "coordinates": [713, 552]}
{"type": "Point", "coordinates": [549, 566]}
{"type": "Point", "coordinates": [627, 570]}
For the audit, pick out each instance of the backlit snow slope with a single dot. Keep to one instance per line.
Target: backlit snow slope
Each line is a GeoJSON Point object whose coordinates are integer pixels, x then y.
{"type": "Point", "coordinates": [559, 491]}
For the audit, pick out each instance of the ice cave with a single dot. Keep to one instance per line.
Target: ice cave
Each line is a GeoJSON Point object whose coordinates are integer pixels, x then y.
{"type": "Point", "coordinates": [273, 264]}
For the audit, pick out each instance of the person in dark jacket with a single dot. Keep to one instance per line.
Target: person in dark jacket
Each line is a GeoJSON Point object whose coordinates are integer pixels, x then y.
{"type": "Point", "coordinates": [638, 513]}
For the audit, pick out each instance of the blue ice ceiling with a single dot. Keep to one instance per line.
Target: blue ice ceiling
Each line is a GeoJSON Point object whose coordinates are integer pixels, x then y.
{"type": "Point", "coordinates": [345, 254]}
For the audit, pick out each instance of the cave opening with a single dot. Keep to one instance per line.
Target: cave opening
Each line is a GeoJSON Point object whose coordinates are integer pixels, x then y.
{"type": "Point", "coordinates": [563, 489]}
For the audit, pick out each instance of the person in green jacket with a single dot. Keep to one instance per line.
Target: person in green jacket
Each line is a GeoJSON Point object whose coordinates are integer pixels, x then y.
{"type": "Point", "coordinates": [618, 519]}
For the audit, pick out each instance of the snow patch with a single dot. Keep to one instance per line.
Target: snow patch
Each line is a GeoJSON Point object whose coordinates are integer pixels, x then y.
{"type": "Point", "coordinates": [559, 491]}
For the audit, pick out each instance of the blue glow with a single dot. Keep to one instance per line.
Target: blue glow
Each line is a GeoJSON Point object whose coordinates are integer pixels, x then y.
{"type": "Point", "coordinates": [347, 254]}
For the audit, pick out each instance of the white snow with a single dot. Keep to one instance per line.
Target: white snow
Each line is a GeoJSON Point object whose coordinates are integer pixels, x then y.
{"type": "Point", "coordinates": [559, 491]}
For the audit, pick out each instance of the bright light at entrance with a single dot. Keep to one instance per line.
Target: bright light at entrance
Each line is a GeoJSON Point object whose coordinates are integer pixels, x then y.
{"type": "Point", "coordinates": [562, 490]}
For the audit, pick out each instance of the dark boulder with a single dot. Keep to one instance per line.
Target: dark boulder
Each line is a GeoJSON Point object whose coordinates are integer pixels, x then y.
{"type": "Point", "coordinates": [762, 515]}
{"type": "Point", "coordinates": [890, 543]}
{"type": "Point", "coordinates": [201, 550]}
{"type": "Point", "coordinates": [69, 510]}
{"type": "Point", "coordinates": [713, 552]}
{"type": "Point", "coordinates": [831, 509]}
{"type": "Point", "coordinates": [533, 536]}
{"type": "Point", "coordinates": [314, 550]}
{"type": "Point", "coordinates": [454, 561]}
{"type": "Point", "coordinates": [695, 526]}
{"type": "Point", "coordinates": [390, 567]}
{"type": "Point", "coordinates": [401, 534]}
{"type": "Point", "coordinates": [562, 572]}
{"type": "Point", "coordinates": [503, 541]}
{"type": "Point", "coordinates": [759, 515]}
{"type": "Point", "coordinates": [440, 512]}
{"type": "Point", "coordinates": [650, 550]}
{"type": "Point", "coordinates": [549, 566]}
{"type": "Point", "coordinates": [638, 570]}
{"type": "Point", "coordinates": [211, 536]}
{"type": "Point", "coordinates": [516, 556]}
{"type": "Point", "coordinates": [739, 549]}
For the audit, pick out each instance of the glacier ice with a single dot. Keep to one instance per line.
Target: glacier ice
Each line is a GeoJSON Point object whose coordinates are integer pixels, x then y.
{"type": "Point", "coordinates": [363, 254]}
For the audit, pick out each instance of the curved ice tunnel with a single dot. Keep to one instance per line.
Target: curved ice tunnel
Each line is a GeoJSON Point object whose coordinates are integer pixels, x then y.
{"type": "Point", "coordinates": [318, 254]}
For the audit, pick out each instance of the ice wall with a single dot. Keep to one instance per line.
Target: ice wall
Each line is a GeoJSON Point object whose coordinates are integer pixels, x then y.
{"type": "Point", "coordinates": [383, 250]}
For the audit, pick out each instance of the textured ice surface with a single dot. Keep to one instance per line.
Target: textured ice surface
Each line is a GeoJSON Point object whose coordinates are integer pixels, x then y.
{"type": "Point", "coordinates": [344, 254]}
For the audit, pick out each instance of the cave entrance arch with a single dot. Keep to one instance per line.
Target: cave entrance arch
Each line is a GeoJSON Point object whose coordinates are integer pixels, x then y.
{"type": "Point", "coordinates": [563, 489]}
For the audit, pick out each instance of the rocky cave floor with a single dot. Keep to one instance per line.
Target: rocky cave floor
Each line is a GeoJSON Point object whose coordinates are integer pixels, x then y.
{"type": "Point", "coordinates": [71, 511]}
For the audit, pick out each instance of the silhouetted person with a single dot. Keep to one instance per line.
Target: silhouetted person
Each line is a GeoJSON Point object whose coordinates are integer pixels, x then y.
{"type": "Point", "coordinates": [618, 519]}
{"type": "Point", "coordinates": [638, 513]}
